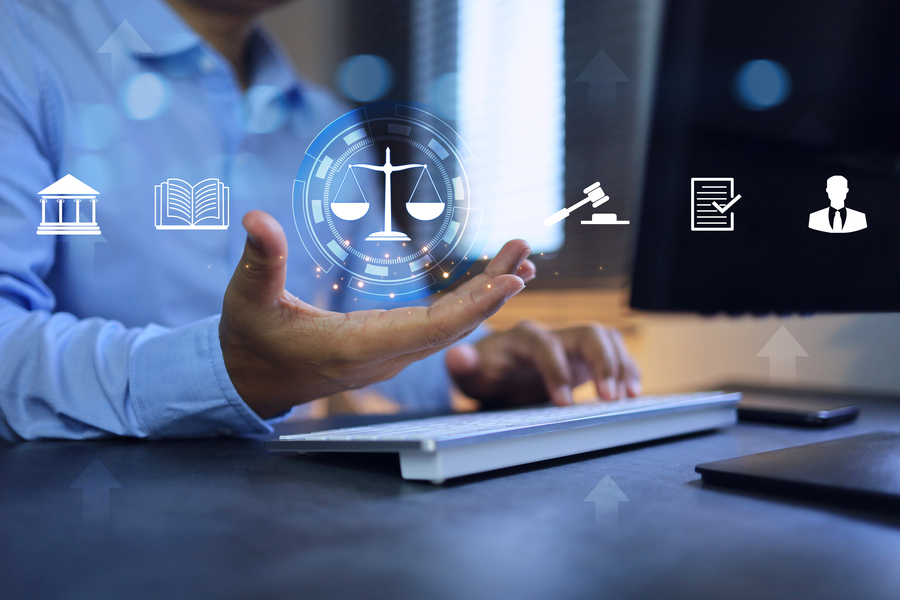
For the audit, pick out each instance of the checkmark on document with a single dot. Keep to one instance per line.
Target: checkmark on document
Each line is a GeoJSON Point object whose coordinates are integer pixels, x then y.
{"type": "Point", "coordinates": [722, 209]}
{"type": "Point", "coordinates": [712, 199]}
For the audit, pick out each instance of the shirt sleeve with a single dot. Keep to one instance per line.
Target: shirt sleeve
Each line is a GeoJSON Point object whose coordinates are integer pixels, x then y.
{"type": "Point", "coordinates": [64, 377]}
{"type": "Point", "coordinates": [71, 378]}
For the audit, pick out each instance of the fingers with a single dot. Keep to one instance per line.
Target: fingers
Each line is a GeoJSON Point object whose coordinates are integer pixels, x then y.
{"type": "Point", "coordinates": [527, 271]}
{"type": "Point", "coordinates": [546, 352]}
{"type": "Point", "coordinates": [426, 330]}
{"type": "Point", "coordinates": [630, 373]}
{"type": "Point", "coordinates": [461, 359]}
{"type": "Point", "coordinates": [512, 260]}
{"type": "Point", "coordinates": [508, 260]}
{"type": "Point", "coordinates": [260, 274]}
{"type": "Point", "coordinates": [611, 367]}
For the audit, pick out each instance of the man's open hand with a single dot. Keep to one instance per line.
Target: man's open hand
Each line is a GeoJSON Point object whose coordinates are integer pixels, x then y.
{"type": "Point", "coordinates": [280, 351]}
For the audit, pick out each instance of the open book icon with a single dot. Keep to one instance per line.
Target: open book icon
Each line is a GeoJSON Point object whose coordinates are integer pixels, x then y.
{"type": "Point", "coordinates": [179, 205]}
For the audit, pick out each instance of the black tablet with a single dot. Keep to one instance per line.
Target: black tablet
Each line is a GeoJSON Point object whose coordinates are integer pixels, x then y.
{"type": "Point", "coordinates": [862, 470]}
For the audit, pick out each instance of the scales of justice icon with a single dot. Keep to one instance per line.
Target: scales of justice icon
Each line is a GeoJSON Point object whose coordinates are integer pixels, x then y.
{"type": "Point", "coordinates": [420, 210]}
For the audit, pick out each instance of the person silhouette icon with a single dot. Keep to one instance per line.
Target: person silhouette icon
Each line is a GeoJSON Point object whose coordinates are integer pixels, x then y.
{"type": "Point", "coordinates": [837, 218]}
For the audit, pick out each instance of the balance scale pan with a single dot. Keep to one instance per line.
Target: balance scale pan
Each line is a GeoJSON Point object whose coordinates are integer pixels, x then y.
{"type": "Point", "coordinates": [349, 211]}
{"type": "Point", "coordinates": [425, 211]}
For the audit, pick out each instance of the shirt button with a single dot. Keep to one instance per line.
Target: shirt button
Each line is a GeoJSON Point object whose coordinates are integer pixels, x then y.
{"type": "Point", "coordinates": [207, 64]}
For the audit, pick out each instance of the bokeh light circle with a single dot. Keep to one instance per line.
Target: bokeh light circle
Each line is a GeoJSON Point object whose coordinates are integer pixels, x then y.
{"type": "Point", "coordinates": [762, 84]}
{"type": "Point", "coordinates": [146, 96]}
{"type": "Point", "coordinates": [264, 109]}
{"type": "Point", "coordinates": [444, 93]}
{"type": "Point", "coordinates": [365, 77]}
{"type": "Point", "coordinates": [98, 126]}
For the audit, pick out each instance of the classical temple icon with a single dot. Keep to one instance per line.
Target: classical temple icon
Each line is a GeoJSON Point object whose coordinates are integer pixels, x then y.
{"type": "Point", "coordinates": [68, 188]}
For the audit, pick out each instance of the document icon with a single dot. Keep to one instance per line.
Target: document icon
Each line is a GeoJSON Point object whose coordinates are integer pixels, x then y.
{"type": "Point", "coordinates": [711, 201]}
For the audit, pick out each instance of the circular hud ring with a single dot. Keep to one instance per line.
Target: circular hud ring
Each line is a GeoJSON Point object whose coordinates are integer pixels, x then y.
{"type": "Point", "coordinates": [382, 194]}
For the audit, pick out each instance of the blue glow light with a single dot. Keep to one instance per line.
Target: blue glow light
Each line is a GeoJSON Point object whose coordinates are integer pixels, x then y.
{"type": "Point", "coordinates": [762, 84]}
{"type": "Point", "coordinates": [444, 94]}
{"type": "Point", "coordinates": [365, 77]}
{"type": "Point", "coordinates": [145, 96]}
{"type": "Point", "coordinates": [92, 168]}
{"type": "Point", "coordinates": [264, 109]}
{"type": "Point", "coordinates": [98, 125]}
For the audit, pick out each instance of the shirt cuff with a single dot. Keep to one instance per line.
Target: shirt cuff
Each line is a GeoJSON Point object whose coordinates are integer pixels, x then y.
{"type": "Point", "coordinates": [181, 388]}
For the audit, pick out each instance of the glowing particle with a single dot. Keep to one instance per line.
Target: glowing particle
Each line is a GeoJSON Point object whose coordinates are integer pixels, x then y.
{"type": "Point", "coordinates": [391, 294]}
{"type": "Point", "coordinates": [446, 275]}
{"type": "Point", "coordinates": [335, 286]}
{"type": "Point", "coordinates": [360, 284]}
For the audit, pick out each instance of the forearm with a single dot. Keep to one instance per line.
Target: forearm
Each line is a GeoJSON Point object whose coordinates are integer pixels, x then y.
{"type": "Point", "coordinates": [61, 377]}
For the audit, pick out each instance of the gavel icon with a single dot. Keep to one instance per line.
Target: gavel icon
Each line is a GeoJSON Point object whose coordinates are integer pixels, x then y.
{"type": "Point", "coordinates": [595, 195]}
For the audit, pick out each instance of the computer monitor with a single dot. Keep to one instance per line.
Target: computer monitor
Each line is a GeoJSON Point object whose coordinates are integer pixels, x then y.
{"type": "Point", "coordinates": [772, 180]}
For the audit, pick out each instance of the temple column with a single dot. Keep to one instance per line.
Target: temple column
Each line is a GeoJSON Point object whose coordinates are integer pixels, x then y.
{"type": "Point", "coordinates": [93, 211]}
{"type": "Point", "coordinates": [43, 211]}
{"type": "Point", "coordinates": [78, 210]}
{"type": "Point", "coordinates": [60, 200]}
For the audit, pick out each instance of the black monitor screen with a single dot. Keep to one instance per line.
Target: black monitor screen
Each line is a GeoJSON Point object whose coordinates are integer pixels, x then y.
{"type": "Point", "coordinates": [773, 176]}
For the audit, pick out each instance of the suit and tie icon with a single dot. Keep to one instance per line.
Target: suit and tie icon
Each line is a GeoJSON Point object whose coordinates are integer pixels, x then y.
{"type": "Point", "coordinates": [837, 218]}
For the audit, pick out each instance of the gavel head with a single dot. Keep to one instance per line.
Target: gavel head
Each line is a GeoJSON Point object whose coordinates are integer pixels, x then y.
{"type": "Point", "coordinates": [595, 192]}
{"type": "Point", "coordinates": [599, 201]}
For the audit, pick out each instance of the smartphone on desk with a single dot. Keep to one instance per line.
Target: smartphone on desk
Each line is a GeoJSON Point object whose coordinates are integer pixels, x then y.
{"type": "Point", "coordinates": [801, 412]}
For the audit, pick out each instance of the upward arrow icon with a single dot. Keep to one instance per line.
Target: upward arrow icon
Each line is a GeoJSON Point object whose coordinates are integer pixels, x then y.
{"type": "Point", "coordinates": [602, 75]}
{"type": "Point", "coordinates": [606, 497]}
{"type": "Point", "coordinates": [810, 131]}
{"type": "Point", "coordinates": [95, 482]}
{"type": "Point", "coordinates": [82, 249]}
{"type": "Point", "coordinates": [121, 46]}
{"type": "Point", "coordinates": [782, 350]}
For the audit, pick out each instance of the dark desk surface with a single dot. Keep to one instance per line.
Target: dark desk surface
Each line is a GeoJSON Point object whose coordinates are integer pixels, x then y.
{"type": "Point", "coordinates": [224, 519]}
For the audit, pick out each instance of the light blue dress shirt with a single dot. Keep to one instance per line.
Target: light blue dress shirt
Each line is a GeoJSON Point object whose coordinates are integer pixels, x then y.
{"type": "Point", "coordinates": [126, 342]}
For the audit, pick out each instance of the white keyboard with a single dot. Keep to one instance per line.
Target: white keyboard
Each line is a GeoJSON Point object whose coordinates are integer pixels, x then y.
{"type": "Point", "coordinates": [439, 448]}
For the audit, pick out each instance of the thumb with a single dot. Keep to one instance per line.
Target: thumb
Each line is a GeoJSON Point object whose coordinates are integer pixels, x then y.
{"type": "Point", "coordinates": [461, 359]}
{"type": "Point", "coordinates": [260, 275]}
